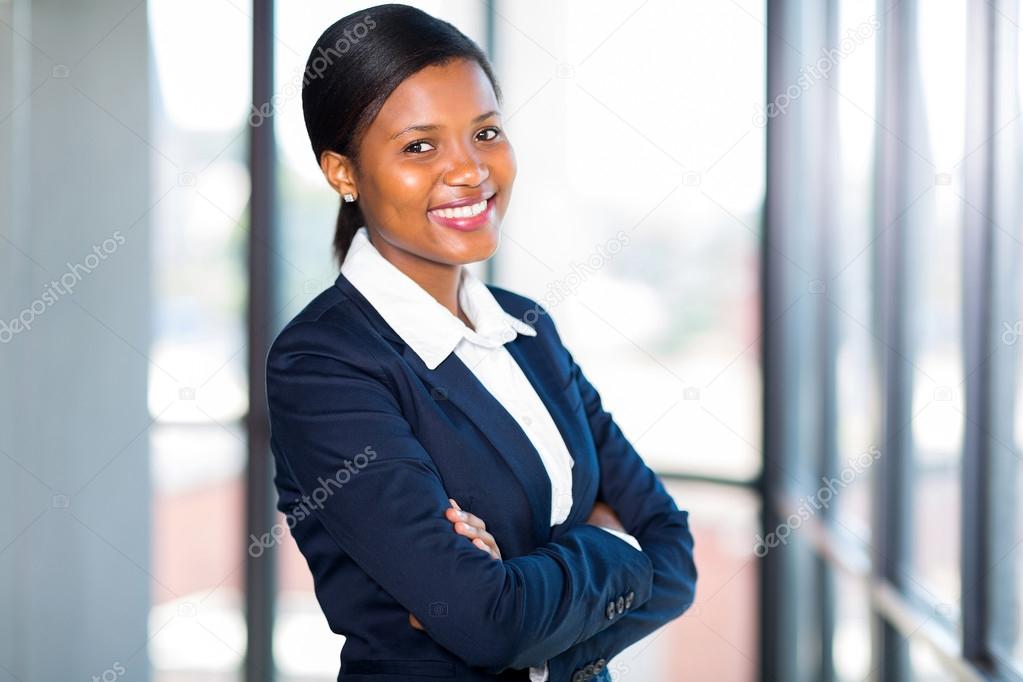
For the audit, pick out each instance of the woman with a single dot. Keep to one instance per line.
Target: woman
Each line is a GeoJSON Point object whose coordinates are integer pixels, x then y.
{"type": "Point", "coordinates": [466, 506]}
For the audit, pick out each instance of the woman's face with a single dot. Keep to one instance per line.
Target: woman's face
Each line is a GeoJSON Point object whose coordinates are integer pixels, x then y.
{"type": "Point", "coordinates": [438, 139]}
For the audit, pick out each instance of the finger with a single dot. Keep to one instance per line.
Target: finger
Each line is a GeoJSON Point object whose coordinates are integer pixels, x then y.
{"type": "Point", "coordinates": [452, 501]}
{"type": "Point", "coordinates": [490, 548]}
{"type": "Point", "coordinates": [474, 533]}
{"type": "Point", "coordinates": [474, 520]}
{"type": "Point", "coordinates": [463, 528]}
{"type": "Point", "coordinates": [495, 551]}
{"type": "Point", "coordinates": [453, 515]}
{"type": "Point", "coordinates": [482, 545]}
{"type": "Point", "coordinates": [471, 519]}
{"type": "Point", "coordinates": [488, 540]}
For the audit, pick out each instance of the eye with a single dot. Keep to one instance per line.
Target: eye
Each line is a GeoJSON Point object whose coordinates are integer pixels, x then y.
{"type": "Point", "coordinates": [417, 143]}
{"type": "Point", "coordinates": [497, 133]}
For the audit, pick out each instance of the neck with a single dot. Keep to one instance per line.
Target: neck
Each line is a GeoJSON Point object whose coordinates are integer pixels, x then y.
{"type": "Point", "coordinates": [440, 280]}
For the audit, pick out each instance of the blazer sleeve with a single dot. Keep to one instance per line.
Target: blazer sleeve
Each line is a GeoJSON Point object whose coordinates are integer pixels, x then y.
{"type": "Point", "coordinates": [650, 514]}
{"type": "Point", "coordinates": [329, 400]}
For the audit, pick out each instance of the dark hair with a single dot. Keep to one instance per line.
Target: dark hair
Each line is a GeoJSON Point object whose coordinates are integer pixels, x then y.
{"type": "Point", "coordinates": [354, 67]}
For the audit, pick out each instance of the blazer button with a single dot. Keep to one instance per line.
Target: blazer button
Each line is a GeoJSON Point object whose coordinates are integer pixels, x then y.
{"type": "Point", "coordinates": [580, 676]}
{"type": "Point", "coordinates": [628, 599]}
{"type": "Point", "coordinates": [599, 665]}
{"type": "Point", "coordinates": [620, 604]}
{"type": "Point", "coordinates": [610, 610]}
{"type": "Point", "coordinates": [591, 670]}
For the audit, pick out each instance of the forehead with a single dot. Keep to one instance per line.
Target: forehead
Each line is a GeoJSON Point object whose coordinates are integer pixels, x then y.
{"type": "Point", "coordinates": [451, 94]}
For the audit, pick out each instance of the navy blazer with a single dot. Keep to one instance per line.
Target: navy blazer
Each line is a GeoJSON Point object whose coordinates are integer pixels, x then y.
{"type": "Point", "coordinates": [368, 446]}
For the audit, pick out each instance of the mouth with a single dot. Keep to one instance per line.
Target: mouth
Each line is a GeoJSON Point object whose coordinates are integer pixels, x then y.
{"type": "Point", "coordinates": [466, 217]}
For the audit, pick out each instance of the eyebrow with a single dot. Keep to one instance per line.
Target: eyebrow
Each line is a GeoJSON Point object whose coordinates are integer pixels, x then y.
{"type": "Point", "coordinates": [428, 127]}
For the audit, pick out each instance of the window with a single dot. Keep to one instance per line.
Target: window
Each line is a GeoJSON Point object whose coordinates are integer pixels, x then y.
{"type": "Point", "coordinates": [935, 283]}
{"type": "Point", "coordinates": [919, 561]}
{"type": "Point", "coordinates": [197, 381]}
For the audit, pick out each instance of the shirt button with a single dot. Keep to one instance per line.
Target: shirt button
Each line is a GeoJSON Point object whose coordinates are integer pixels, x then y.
{"type": "Point", "coordinates": [526, 420]}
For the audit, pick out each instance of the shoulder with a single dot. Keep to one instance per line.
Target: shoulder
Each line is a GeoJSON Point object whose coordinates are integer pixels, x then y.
{"type": "Point", "coordinates": [329, 325]}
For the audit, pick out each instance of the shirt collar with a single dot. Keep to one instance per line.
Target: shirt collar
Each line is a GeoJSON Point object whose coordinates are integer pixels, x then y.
{"type": "Point", "coordinates": [430, 329]}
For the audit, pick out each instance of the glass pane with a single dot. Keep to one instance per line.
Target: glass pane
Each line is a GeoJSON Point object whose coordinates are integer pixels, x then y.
{"type": "Point", "coordinates": [305, 648]}
{"type": "Point", "coordinates": [851, 290]}
{"type": "Point", "coordinates": [197, 384]}
{"type": "Point", "coordinates": [637, 211]}
{"type": "Point", "coordinates": [935, 299]}
{"type": "Point", "coordinates": [852, 639]}
{"type": "Point", "coordinates": [196, 625]}
{"type": "Point", "coordinates": [925, 665]}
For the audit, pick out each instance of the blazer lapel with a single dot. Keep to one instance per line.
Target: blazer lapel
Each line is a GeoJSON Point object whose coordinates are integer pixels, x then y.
{"type": "Point", "coordinates": [569, 420]}
{"type": "Point", "coordinates": [459, 385]}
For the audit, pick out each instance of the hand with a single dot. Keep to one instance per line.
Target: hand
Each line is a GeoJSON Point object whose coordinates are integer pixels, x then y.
{"type": "Point", "coordinates": [471, 527]}
{"type": "Point", "coordinates": [605, 516]}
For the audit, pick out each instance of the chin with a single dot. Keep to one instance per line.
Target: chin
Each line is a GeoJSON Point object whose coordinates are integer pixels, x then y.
{"type": "Point", "coordinates": [470, 247]}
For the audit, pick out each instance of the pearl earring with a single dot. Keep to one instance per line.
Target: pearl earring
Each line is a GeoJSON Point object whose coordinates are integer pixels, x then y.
{"type": "Point", "coordinates": [349, 198]}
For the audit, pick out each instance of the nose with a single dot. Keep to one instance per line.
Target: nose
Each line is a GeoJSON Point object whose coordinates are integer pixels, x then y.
{"type": "Point", "coordinates": [467, 168]}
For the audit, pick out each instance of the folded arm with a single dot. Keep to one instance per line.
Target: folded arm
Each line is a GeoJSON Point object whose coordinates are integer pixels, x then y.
{"type": "Point", "coordinates": [337, 428]}
{"type": "Point", "coordinates": [649, 513]}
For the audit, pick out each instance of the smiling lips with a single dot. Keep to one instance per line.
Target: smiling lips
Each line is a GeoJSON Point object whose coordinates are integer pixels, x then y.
{"type": "Point", "coordinates": [464, 216]}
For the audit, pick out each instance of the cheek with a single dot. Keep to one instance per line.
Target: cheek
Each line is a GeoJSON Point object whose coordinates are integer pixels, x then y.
{"type": "Point", "coordinates": [413, 180]}
{"type": "Point", "coordinates": [505, 164]}
{"type": "Point", "coordinates": [407, 188]}
{"type": "Point", "coordinates": [504, 169]}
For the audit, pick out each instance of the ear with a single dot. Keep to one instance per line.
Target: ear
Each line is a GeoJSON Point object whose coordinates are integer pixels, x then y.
{"type": "Point", "coordinates": [339, 172]}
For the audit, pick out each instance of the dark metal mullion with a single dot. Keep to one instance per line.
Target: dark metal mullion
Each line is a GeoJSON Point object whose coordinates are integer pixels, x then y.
{"type": "Point", "coordinates": [976, 330]}
{"type": "Point", "coordinates": [992, 262]}
{"type": "Point", "coordinates": [1003, 581]}
{"type": "Point", "coordinates": [891, 493]}
{"type": "Point", "coordinates": [259, 493]}
{"type": "Point", "coordinates": [772, 297]}
{"type": "Point", "coordinates": [490, 36]}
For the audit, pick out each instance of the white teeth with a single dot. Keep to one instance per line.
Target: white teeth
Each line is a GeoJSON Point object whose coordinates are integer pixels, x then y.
{"type": "Point", "coordinates": [461, 211]}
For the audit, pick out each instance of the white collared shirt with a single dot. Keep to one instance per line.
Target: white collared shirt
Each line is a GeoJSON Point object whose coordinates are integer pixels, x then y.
{"type": "Point", "coordinates": [433, 332]}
